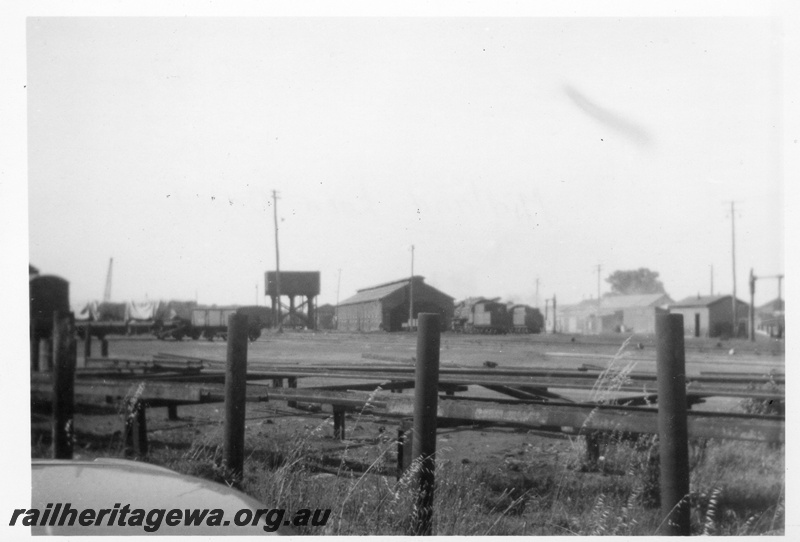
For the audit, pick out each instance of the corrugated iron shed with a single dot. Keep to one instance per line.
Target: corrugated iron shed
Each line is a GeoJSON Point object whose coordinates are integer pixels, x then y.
{"type": "Point", "coordinates": [382, 291]}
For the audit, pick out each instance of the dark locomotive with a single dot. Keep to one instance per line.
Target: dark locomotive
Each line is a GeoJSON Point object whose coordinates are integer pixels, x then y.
{"type": "Point", "coordinates": [491, 316]}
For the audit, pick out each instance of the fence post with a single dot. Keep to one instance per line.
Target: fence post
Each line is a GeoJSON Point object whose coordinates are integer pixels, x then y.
{"type": "Point", "coordinates": [235, 396]}
{"type": "Point", "coordinates": [672, 425]}
{"type": "Point", "coordinates": [292, 383]}
{"type": "Point", "coordinates": [338, 422]}
{"type": "Point", "coordinates": [592, 456]}
{"type": "Point", "coordinates": [35, 352]}
{"type": "Point", "coordinates": [87, 342]}
{"type": "Point", "coordinates": [426, 388]}
{"type": "Point", "coordinates": [46, 354]}
{"type": "Point", "coordinates": [64, 361]}
{"type": "Point", "coordinates": [136, 428]}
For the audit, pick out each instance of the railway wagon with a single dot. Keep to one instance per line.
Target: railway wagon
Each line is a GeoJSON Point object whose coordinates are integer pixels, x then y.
{"type": "Point", "coordinates": [526, 319]}
{"type": "Point", "coordinates": [211, 322]}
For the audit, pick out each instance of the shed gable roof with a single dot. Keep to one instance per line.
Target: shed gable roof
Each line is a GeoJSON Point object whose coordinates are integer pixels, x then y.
{"type": "Point", "coordinates": [703, 301]}
{"type": "Point", "coordinates": [375, 293]}
{"type": "Point", "coordinates": [382, 291]}
{"type": "Point", "coordinates": [634, 301]}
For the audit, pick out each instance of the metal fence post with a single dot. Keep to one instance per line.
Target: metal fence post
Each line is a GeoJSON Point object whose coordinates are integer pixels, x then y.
{"type": "Point", "coordinates": [235, 396]}
{"type": "Point", "coordinates": [672, 425]}
{"type": "Point", "coordinates": [425, 408]}
{"type": "Point", "coordinates": [65, 355]}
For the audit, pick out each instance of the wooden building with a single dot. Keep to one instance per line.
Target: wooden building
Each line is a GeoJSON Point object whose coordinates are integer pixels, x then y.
{"type": "Point", "coordinates": [614, 314]}
{"type": "Point", "coordinates": [712, 316]}
{"type": "Point", "coordinates": [385, 306]}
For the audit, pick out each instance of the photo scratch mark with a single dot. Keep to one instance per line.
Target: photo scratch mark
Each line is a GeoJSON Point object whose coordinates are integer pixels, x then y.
{"type": "Point", "coordinates": [629, 129]}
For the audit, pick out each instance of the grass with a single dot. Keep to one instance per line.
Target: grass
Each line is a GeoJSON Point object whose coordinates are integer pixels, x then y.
{"type": "Point", "coordinates": [736, 488]}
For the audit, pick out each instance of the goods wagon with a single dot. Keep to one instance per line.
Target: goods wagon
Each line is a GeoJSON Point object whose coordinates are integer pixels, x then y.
{"type": "Point", "coordinates": [211, 322]}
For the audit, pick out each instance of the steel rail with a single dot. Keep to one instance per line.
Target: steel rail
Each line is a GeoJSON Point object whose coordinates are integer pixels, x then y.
{"type": "Point", "coordinates": [569, 416]}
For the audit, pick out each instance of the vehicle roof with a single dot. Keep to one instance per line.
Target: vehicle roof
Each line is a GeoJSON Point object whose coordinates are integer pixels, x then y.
{"type": "Point", "coordinates": [103, 483]}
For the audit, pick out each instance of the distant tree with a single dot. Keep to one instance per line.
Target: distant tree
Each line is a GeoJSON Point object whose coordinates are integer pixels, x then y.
{"type": "Point", "coordinates": [635, 281]}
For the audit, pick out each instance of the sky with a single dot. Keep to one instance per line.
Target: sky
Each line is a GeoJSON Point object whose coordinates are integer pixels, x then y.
{"type": "Point", "coordinates": [506, 150]}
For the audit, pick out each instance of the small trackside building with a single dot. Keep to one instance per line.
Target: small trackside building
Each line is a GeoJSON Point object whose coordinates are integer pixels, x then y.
{"type": "Point", "coordinates": [711, 315]}
{"type": "Point", "coordinates": [633, 313]}
{"type": "Point", "coordinates": [385, 307]}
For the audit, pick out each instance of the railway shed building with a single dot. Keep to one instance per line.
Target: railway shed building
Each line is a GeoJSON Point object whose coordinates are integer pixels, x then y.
{"type": "Point", "coordinates": [614, 314]}
{"type": "Point", "coordinates": [711, 315]}
{"type": "Point", "coordinates": [632, 313]}
{"type": "Point", "coordinates": [385, 306]}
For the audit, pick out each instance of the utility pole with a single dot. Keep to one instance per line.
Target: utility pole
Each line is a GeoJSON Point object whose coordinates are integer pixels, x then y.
{"type": "Point", "coordinates": [537, 292]}
{"type": "Point", "coordinates": [752, 311]}
{"type": "Point", "coordinates": [546, 310]}
{"type": "Point", "coordinates": [107, 291]}
{"type": "Point", "coordinates": [277, 264]}
{"type": "Point", "coordinates": [338, 287]}
{"type": "Point", "coordinates": [712, 280]}
{"type": "Point", "coordinates": [555, 314]}
{"type": "Point", "coordinates": [597, 317]}
{"type": "Point", "coordinates": [256, 294]}
{"type": "Point", "coordinates": [411, 293]}
{"type": "Point", "coordinates": [735, 329]}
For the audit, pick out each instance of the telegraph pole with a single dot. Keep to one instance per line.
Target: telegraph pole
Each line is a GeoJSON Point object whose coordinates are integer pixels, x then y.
{"type": "Point", "coordinates": [411, 293]}
{"type": "Point", "coordinates": [735, 329]}
{"type": "Point", "coordinates": [338, 287]}
{"type": "Point", "coordinates": [555, 314]}
{"type": "Point", "coordinates": [597, 318]}
{"type": "Point", "coordinates": [752, 318]}
{"type": "Point", "coordinates": [277, 263]}
{"type": "Point", "coordinates": [537, 292]}
{"type": "Point", "coordinates": [546, 310]}
{"type": "Point", "coordinates": [712, 280]}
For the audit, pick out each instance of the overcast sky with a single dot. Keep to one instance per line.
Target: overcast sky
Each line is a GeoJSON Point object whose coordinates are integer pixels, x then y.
{"type": "Point", "coordinates": [503, 149]}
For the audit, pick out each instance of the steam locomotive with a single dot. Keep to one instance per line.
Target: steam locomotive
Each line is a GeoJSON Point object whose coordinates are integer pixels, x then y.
{"type": "Point", "coordinates": [491, 316]}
